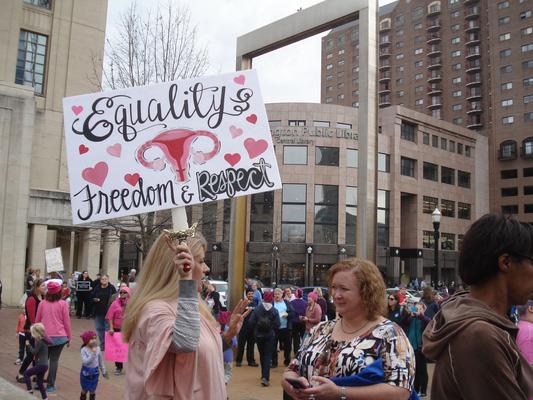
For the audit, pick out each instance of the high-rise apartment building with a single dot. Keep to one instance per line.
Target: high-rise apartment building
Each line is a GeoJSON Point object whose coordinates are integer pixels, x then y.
{"type": "Point", "coordinates": [469, 62]}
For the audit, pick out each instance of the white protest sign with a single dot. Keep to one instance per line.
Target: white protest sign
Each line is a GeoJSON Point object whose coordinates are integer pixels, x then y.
{"type": "Point", "coordinates": [168, 145]}
{"type": "Point", "coordinates": [53, 260]}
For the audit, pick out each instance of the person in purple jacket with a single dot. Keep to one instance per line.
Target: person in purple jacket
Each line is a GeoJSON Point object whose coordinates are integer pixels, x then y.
{"type": "Point", "coordinates": [299, 306]}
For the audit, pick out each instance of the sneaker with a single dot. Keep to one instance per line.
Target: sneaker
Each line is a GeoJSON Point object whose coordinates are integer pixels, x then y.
{"type": "Point", "coordinates": [118, 371]}
{"type": "Point", "coordinates": [51, 389]}
{"type": "Point", "coordinates": [18, 362]}
{"type": "Point", "coordinates": [253, 364]}
{"type": "Point", "coordinates": [265, 382]}
{"type": "Point", "coordinates": [20, 379]}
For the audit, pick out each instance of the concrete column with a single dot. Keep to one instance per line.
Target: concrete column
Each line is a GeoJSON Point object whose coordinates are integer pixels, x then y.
{"type": "Point", "coordinates": [37, 246]}
{"type": "Point", "coordinates": [89, 254]}
{"type": "Point", "coordinates": [394, 269]}
{"type": "Point", "coordinates": [67, 250]}
{"type": "Point", "coordinates": [111, 254]}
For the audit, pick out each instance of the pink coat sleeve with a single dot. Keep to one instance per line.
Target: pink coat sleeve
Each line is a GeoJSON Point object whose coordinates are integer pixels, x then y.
{"type": "Point", "coordinates": [66, 320]}
{"type": "Point", "coordinates": [111, 312]}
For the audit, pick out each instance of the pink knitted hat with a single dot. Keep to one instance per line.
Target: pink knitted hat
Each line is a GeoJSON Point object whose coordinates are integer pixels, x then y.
{"type": "Point", "coordinates": [87, 336]}
{"type": "Point", "coordinates": [313, 296]}
{"type": "Point", "coordinates": [53, 287]}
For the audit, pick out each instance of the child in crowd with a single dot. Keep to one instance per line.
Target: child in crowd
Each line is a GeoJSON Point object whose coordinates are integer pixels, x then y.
{"type": "Point", "coordinates": [40, 357]}
{"type": "Point", "coordinates": [21, 334]}
{"type": "Point", "coordinates": [91, 365]}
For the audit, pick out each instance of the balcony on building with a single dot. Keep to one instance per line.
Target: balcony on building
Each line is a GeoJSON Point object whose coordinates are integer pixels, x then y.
{"type": "Point", "coordinates": [473, 52]}
{"type": "Point", "coordinates": [434, 76]}
{"type": "Point", "coordinates": [472, 38]}
{"type": "Point", "coordinates": [384, 26]}
{"type": "Point", "coordinates": [473, 79]}
{"type": "Point", "coordinates": [473, 65]}
{"type": "Point", "coordinates": [384, 100]}
{"type": "Point", "coordinates": [434, 9]}
{"type": "Point", "coordinates": [435, 102]}
{"type": "Point", "coordinates": [384, 64]}
{"type": "Point", "coordinates": [384, 52]}
{"type": "Point", "coordinates": [433, 37]}
{"type": "Point", "coordinates": [384, 76]}
{"type": "Point", "coordinates": [433, 24]}
{"type": "Point", "coordinates": [472, 12]}
{"type": "Point", "coordinates": [475, 93]}
{"type": "Point", "coordinates": [467, 2]}
{"type": "Point", "coordinates": [434, 62]}
{"type": "Point", "coordinates": [433, 50]}
{"type": "Point", "coordinates": [472, 25]}
{"type": "Point", "coordinates": [384, 88]}
{"type": "Point", "coordinates": [474, 122]}
{"type": "Point", "coordinates": [434, 89]}
{"type": "Point", "coordinates": [384, 40]}
{"type": "Point", "coordinates": [474, 107]}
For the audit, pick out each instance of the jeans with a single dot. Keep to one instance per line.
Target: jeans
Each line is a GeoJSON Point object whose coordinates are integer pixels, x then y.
{"type": "Point", "coordinates": [38, 371]}
{"type": "Point", "coordinates": [421, 372]}
{"type": "Point", "coordinates": [101, 326]}
{"type": "Point", "coordinates": [53, 355]}
{"type": "Point", "coordinates": [265, 345]}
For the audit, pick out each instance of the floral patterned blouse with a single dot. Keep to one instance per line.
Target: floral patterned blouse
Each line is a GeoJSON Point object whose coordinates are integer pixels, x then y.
{"type": "Point", "coordinates": [323, 356]}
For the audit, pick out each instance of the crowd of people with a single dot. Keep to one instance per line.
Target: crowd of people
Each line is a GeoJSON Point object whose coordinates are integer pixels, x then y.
{"type": "Point", "coordinates": [366, 343]}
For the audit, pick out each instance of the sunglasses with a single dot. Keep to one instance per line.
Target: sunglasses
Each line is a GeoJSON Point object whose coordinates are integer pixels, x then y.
{"type": "Point", "coordinates": [392, 298]}
{"type": "Point", "coordinates": [123, 292]}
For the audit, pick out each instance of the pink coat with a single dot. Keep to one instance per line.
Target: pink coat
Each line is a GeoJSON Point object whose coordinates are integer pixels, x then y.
{"type": "Point", "coordinates": [55, 318]}
{"type": "Point", "coordinates": [156, 373]}
{"type": "Point", "coordinates": [115, 314]}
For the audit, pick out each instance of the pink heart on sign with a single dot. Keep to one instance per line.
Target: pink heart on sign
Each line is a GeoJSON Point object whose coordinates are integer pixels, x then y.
{"type": "Point", "coordinates": [239, 80]}
{"type": "Point", "coordinates": [232, 159]}
{"type": "Point", "coordinates": [115, 150]}
{"type": "Point", "coordinates": [132, 179]}
{"type": "Point", "coordinates": [83, 149]}
{"type": "Point", "coordinates": [235, 132]}
{"type": "Point", "coordinates": [97, 174]}
{"type": "Point", "coordinates": [255, 147]}
{"type": "Point", "coordinates": [77, 109]}
{"type": "Point", "coordinates": [251, 118]}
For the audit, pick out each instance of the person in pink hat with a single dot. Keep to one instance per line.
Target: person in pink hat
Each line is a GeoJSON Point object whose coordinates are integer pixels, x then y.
{"type": "Point", "coordinates": [115, 315]}
{"type": "Point", "coordinates": [313, 314]}
{"type": "Point", "coordinates": [53, 314]}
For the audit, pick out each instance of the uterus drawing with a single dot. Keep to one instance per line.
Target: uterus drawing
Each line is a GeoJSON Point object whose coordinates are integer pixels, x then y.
{"type": "Point", "coordinates": [177, 146]}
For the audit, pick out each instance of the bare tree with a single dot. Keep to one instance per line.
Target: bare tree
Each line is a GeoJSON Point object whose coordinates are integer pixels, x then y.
{"type": "Point", "coordinates": [151, 46]}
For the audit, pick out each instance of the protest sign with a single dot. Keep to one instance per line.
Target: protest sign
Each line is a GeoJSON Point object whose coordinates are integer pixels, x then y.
{"type": "Point", "coordinates": [115, 349]}
{"type": "Point", "coordinates": [53, 260]}
{"type": "Point", "coordinates": [168, 145]}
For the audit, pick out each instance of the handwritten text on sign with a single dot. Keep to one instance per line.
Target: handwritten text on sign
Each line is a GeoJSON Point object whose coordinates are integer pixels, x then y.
{"type": "Point", "coordinates": [115, 349]}
{"type": "Point", "coordinates": [157, 147]}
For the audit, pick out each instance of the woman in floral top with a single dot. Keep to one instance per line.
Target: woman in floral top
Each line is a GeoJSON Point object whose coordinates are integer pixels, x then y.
{"type": "Point", "coordinates": [342, 351]}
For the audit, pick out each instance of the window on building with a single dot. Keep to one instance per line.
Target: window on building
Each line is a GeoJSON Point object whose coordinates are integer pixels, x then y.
{"type": "Point", "coordinates": [526, 64]}
{"type": "Point", "coordinates": [508, 149]}
{"type": "Point", "coordinates": [383, 211]}
{"type": "Point", "coordinates": [31, 60]}
{"type": "Point", "coordinates": [528, 116]}
{"type": "Point", "coordinates": [383, 162]}
{"type": "Point", "coordinates": [504, 20]}
{"type": "Point", "coordinates": [528, 172]}
{"type": "Point", "coordinates": [528, 82]}
{"type": "Point", "coordinates": [451, 147]}
{"type": "Point", "coordinates": [447, 208]}
{"type": "Point", "coordinates": [510, 210]}
{"type": "Point", "coordinates": [321, 124]}
{"type": "Point", "coordinates": [429, 204]}
{"type": "Point", "coordinates": [456, 67]}
{"type": "Point", "coordinates": [525, 14]}
{"type": "Point", "coordinates": [463, 179]}
{"type": "Point", "coordinates": [447, 175]}
{"type": "Point", "coordinates": [351, 158]}
{"type": "Point", "coordinates": [457, 107]}
{"type": "Point", "coordinates": [431, 171]}
{"type": "Point", "coordinates": [505, 53]}
{"type": "Point", "coordinates": [458, 120]}
{"type": "Point", "coordinates": [399, 20]}
{"type": "Point", "coordinates": [447, 241]}
{"type": "Point", "coordinates": [341, 40]}
{"type": "Point", "coordinates": [455, 27]}
{"type": "Point", "coordinates": [419, 76]}
{"type": "Point", "coordinates": [296, 122]}
{"type": "Point", "coordinates": [456, 53]}
{"type": "Point", "coordinates": [444, 143]}
{"type": "Point", "coordinates": [418, 26]}
{"type": "Point", "coordinates": [261, 217]}
{"type": "Point", "coordinates": [419, 51]}
{"type": "Point", "coordinates": [419, 102]}
{"type": "Point", "coordinates": [419, 64]}
{"type": "Point", "coordinates": [40, 3]}
{"type": "Point", "coordinates": [425, 138]}
{"type": "Point", "coordinates": [527, 147]}
{"type": "Point", "coordinates": [463, 210]}
{"type": "Point", "coordinates": [508, 120]}
{"type": "Point", "coordinates": [428, 239]}
{"type": "Point", "coordinates": [509, 192]}
{"type": "Point", "coordinates": [504, 36]}
{"type": "Point", "coordinates": [507, 102]}
{"type": "Point", "coordinates": [456, 80]}
{"type": "Point", "coordinates": [435, 141]}
{"type": "Point", "coordinates": [528, 190]}
{"type": "Point", "coordinates": [460, 242]}
{"type": "Point", "coordinates": [326, 213]}
{"type": "Point", "coordinates": [293, 213]}
{"type": "Point", "coordinates": [328, 156]}
{"type": "Point", "coordinates": [456, 40]}
{"type": "Point", "coordinates": [407, 166]}
{"type": "Point", "coordinates": [526, 47]}
{"type": "Point", "coordinates": [455, 14]}
{"type": "Point", "coordinates": [503, 4]}
{"type": "Point", "coordinates": [460, 148]}
{"type": "Point", "coordinates": [274, 123]}
{"type": "Point", "coordinates": [526, 31]}
{"type": "Point", "coordinates": [507, 86]}
{"type": "Point", "coordinates": [528, 208]}
{"type": "Point", "coordinates": [408, 131]}
{"type": "Point", "coordinates": [457, 93]}
{"type": "Point", "coordinates": [528, 99]}
{"type": "Point", "coordinates": [295, 155]}
{"type": "Point", "coordinates": [508, 173]}
{"type": "Point", "coordinates": [351, 214]}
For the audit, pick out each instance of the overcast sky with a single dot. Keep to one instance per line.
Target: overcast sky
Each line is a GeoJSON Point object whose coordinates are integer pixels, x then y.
{"type": "Point", "coordinates": [289, 74]}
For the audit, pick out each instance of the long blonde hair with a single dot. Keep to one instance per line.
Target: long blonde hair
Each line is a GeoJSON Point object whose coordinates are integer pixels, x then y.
{"type": "Point", "coordinates": [158, 280]}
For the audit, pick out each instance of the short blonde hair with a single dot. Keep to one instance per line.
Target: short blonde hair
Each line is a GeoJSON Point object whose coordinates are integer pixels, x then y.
{"type": "Point", "coordinates": [371, 284]}
{"type": "Point", "coordinates": [37, 331]}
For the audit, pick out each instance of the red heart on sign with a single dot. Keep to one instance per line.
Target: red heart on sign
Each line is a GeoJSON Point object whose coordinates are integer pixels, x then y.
{"type": "Point", "coordinates": [251, 118]}
{"type": "Point", "coordinates": [77, 109]}
{"type": "Point", "coordinates": [97, 174]}
{"type": "Point", "coordinates": [83, 149]}
{"type": "Point", "coordinates": [232, 159]}
{"type": "Point", "coordinates": [235, 132]}
{"type": "Point", "coordinates": [239, 80]}
{"type": "Point", "coordinates": [132, 179]}
{"type": "Point", "coordinates": [255, 148]}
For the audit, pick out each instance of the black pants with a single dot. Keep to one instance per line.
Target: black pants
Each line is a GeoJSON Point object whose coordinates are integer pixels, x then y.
{"type": "Point", "coordinates": [118, 365]}
{"type": "Point", "coordinates": [421, 373]}
{"type": "Point", "coordinates": [246, 339]}
{"type": "Point", "coordinates": [83, 306]}
{"type": "Point", "coordinates": [29, 357]}
{"type": "Point", "coordinates": [54, 352]}
{"type": "Point", "coordinates": [284, 338]}
{"type": "Point", "coordinates": [265, 345]}
{"type": "Point", "coordinates": [22, 346]}
{"type": "Point", "coordinates": [297, 334]}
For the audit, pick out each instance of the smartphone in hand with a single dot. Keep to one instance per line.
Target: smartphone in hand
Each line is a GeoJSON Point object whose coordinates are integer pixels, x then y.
{"type": "Point", "coordinates": [296, 383]}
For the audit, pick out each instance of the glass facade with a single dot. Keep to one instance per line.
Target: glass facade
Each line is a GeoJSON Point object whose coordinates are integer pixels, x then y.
{"type": "Point", "coordinates": [351, 214]}
{"type": "Point", "coordinates": [328, 156]}
{"type": "Point", "coordinates": [293, 213]}
{"type": "Point", "coordinates": [383, 210]}
{"type": "Point", "coordinates": [262, 217]}
{"type": "Point", "coordinates": [31, 60]}
{"type": "Point", "coordinates": [295, 155]}
{"type": "Point", "coordinates": [326, 213]}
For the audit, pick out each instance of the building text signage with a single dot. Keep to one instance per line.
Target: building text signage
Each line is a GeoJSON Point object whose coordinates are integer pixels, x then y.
{"type": "Point", "coordinates": [306, 134]}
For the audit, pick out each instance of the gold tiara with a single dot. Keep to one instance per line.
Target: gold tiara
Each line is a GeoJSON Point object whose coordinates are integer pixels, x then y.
{"type": "Point", "coordinates": [181, 235]}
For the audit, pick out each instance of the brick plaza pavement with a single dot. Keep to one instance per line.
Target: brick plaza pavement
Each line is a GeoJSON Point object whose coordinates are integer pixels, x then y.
{"type": "Point", "coordinates": [244, 385]}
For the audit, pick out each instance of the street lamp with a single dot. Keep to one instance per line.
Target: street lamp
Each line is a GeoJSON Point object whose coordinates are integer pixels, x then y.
{"type": "Point", "coordinates": [435, 217]}
{"type": "Point", "coordinates": [309, 265]}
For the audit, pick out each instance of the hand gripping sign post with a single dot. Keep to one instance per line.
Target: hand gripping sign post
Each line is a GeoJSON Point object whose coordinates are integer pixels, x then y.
{"type": "Point", "coordinates": [166, 146]}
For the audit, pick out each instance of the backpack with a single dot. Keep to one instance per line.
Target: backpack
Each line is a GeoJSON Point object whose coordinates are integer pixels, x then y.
{"type": "Point", "coordinates": [264, 323]}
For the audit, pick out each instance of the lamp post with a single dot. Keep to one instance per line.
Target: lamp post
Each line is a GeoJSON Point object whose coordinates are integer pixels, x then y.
{"type": "Point", "coordinates": [435, 217]}
{"type": "Point", "coordinates": [309, 262]}
{"type": "Point", "coordinates": [275, 265]}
